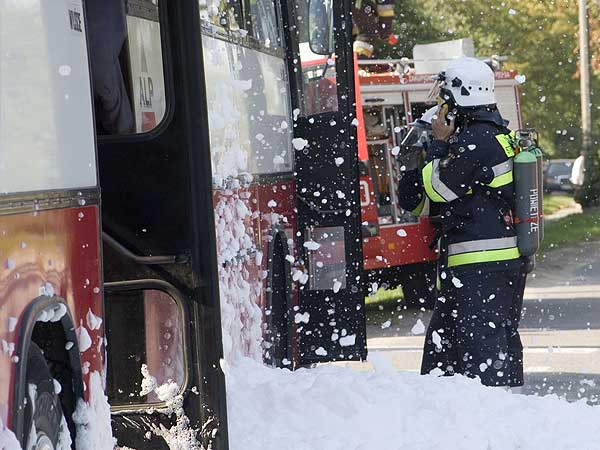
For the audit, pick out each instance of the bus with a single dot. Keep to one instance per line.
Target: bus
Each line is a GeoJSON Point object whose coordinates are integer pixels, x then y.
{"type": "Point", "coordinates": [400, 249]}
{"type": "Point", "coordinates": [169, 198]}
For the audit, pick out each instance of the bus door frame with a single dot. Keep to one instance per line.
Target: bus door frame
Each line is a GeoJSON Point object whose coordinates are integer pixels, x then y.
{"type": "Point", "coordinates": [183, 135]}
{"type": "Point", "coordinates": [335, 326]}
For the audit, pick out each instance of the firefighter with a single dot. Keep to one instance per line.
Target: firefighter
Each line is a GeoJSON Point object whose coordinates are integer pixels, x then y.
{"type": "Point", "coordinates": [372, 20]}
{"type": "Point", "coordinates": [468, 174]}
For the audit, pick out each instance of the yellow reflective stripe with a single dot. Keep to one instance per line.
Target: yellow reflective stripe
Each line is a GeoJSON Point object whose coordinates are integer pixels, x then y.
{"type": "Point", "coordinates": [502, 180]}
{"type": "Point", "coordinates": [483, 257]}
{"type": "Point", "coordinates": [438, 185]}
{"type": "Point", "coordinates": [505, 140]}
{"type": "Point", "coordinates": [428, 184]}
{"type": "Point", "coordinates": [419, 209]}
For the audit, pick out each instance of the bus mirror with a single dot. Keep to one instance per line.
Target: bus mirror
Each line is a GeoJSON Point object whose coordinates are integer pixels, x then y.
{"type": "Point", "coordinates": [144, 326]}
{"type": "Point", "coordinates": [320, 27]}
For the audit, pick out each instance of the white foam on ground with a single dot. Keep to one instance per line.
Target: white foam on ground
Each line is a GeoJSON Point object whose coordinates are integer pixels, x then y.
{"type": "Point", "coordinates": [335, 408]}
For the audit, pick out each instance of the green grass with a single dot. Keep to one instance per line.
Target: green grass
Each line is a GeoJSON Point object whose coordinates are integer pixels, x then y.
{"type": "Point", "coordinates": [556, 202]}
{"type": "Point", "coordinates": [383, 304]}
{"type": "Point", "coordinates": [573, 229]}
{"type": "Point", "coordinates": [384, 297]}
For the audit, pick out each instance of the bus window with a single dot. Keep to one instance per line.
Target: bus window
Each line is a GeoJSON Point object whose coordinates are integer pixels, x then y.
{"type": "Point", "coordinates": [147, 326]}
{"type": "Point", "coordinates": [319, 78]}
{"type": "Point", "coordinates": [261, 22]}
{"type": "Point", "coordinates": [249, 107]}
{"type": "Point", "coordinates": [127, 65]}
{"type": "Point", "coordinates": [327, 263]}
{"type": "Point", "coordinates": [223, 14]}
{"type": "Point", "coordinates": [254, 20]}
{"type": "Point", "coordinates": [47, 129]}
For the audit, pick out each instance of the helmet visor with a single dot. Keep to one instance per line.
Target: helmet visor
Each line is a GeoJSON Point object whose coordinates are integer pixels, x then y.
{"type": "Point", "coordinates": [414, 138]}
{"type": "Point", "coordinates": [434, 92]}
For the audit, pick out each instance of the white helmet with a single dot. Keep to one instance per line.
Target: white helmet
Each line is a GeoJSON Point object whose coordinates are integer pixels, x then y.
{"type": "Point", "coordinates": [469, 81]}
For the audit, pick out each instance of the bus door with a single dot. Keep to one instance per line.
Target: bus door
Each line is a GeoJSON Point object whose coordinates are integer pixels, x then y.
{"type": "Point", "coordinates": [161, 295]}
{"type": "Point", "coordinates": [329, 320]}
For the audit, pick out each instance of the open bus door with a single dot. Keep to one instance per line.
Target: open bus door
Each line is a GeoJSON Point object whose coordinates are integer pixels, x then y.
{"type": "Point", "coordinates": [330, 320]}
{"type": "Point", "coordinates": [161, 291]}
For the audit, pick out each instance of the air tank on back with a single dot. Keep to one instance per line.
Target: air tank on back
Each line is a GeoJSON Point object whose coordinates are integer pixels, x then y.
{"type": "Point", "coordinates": [528, 166]}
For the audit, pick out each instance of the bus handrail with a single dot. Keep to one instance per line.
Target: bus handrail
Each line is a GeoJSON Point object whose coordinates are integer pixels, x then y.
{"type": "Point", "coordinates": [147, 260]}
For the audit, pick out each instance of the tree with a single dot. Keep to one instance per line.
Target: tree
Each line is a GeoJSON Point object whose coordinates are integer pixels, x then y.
{"type": "Point", "coordinates": [413, 25]}
{"type": "Point", "coordinates": [540, 39]}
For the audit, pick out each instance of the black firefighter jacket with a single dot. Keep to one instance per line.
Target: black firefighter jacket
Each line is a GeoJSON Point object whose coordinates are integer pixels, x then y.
{"type": "Point", "coordinates": [470, 178]}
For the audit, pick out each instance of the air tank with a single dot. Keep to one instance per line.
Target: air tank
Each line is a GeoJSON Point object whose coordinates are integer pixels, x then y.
{"type": "Point", "coordinates": [528, 204]}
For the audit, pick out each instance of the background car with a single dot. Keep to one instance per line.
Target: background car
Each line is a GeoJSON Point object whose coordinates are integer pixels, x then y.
{"type": "Point", "coordinates": [557, 174]}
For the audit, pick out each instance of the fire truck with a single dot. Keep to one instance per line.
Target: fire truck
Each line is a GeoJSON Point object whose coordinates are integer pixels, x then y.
{"type": "Point", "coordinates": [171, 194]}
{"type": "Point", "coordinates": [398, 248]}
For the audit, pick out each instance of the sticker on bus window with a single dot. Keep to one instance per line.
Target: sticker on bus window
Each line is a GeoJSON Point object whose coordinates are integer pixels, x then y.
{"type": "Point", "coordinates": [76, 18]}
{"type": "Point", "coordinates": [146, 72]}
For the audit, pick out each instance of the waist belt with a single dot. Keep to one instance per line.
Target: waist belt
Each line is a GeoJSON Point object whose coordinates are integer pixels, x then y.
{"type": "Point", "coordinates": [481, 251]}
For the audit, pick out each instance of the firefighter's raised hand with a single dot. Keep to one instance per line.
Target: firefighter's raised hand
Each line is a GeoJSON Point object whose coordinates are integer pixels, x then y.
{"type": "Point", "coordinates": [442, 127]}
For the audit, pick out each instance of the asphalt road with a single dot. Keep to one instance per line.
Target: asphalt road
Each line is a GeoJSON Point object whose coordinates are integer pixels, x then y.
{"type": "Point", "coordinates": [560, 327]}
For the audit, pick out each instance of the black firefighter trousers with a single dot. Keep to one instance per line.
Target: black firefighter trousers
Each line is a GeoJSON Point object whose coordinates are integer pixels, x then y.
{"type": "Point", "coordinates": [473, 329]}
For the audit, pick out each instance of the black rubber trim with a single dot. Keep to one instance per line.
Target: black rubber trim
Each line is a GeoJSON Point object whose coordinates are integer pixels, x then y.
{"type": "Point", "coordinates": [278, 232]}
{"type": "Point", "coordinates": [270, 178]}
{"type": "Point", "coordinates": [46, 200]}
{"type": "Point", "coordinates": [28, 322]}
